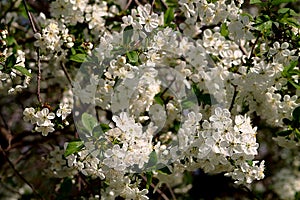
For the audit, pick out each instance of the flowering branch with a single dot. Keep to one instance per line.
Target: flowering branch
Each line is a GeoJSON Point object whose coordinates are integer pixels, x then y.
{"type": "Point", "coordinates": [253, 47]}
{"type": "Point", "coordinates": [163, 195]}
{"type": "Point", "coordinates": [38, 53]}
{"type": "Point", "coordinates": [66, 72]}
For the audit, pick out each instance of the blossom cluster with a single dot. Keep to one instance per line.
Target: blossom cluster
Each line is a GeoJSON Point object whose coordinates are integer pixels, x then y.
{"type": "Point", "coordinates": [11, 76]}
{"type": "Point", "coordinates": [159, 92]}
{"type": "Point", "coordinates": [42, 118]}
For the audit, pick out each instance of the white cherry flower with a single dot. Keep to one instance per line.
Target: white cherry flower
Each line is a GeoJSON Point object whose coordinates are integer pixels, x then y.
{"type": "Point", "coordinates": [45, 129]}
{"type": "Point", "coordinates": [63, 111]}
{"type": "Point", "coordinates": [44, 117]}
{"type": "Point", "coordinates": [29, 115]}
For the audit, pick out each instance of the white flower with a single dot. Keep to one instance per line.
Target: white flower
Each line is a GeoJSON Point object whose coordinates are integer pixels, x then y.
{"type": "Point", "coordinates": [123, 122]}
{"type": "Point", "coordinates": [29, 115]}
{"type": "Point", "coordinates": [63, 111]}
{"type": "Point", "coordinates": [44, 117]}
{"type": "Point", "coordinates": [45, 129]}
{"type": "Point", "coordinates": [150, 20]}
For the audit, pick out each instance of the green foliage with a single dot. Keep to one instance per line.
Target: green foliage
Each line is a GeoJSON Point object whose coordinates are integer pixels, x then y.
{"type": "Point", "coordinates": [80, 57]}
{"type": "Point", "coordinates": [65, 190]}
{"type": "Point", "coordinates": [172, 3]}
{"type": "Point", "coordinates": [272, 2]}
{"type": "Point", "coordinates": [127, 35]}
{"type": "Point", "coordinates": [73, 147]}
{"type": "Point", "coordinates": [104, 127]}
{"type": "Point", "coordinates": [277, 2]}
{"type": "Point", "coordinates": [132, 56]}
{"type": "Point", "coordinates": [224, 30]}
{"type": "Point", "coordinates": [290, 71]}
{"type": "Point", "coordinates": [165, 171]}
{"type": "Point", "coordinates": [203, 98]}
{"type": "Point", "coordinates": [158, 99]}
{"type": "Point", "coordinates": [89, 122]}
{"type": "Point", "coordinates": [23, 70]}
{"type": "Point", "coordinates": [169, 16]}
{"type": "Point", "coordinates": [149, 176]}
{"type": "Point", "coordinates": [293, 125]}
{"type": "Point", "coordinates": [152, 160]}
{"type": "Point", "coordinates": [10, 61]}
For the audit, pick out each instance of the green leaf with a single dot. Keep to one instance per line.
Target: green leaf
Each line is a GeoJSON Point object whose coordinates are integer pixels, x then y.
{"type": "Point", "coordinates": [73, 51]}
{"type": "Point", "coordinates": [80, 57]}
{"type": "Point", "coordinates": [158, 99]}
{"type": "Point", "coordinates": [291, 21]}
{"type": "Point", "coordinates": [105, 127]}
{"type": "Point", "coordinates": [176, 125]}
{"type": "Point", "coordinates": [149, 176]}
{"type": "Point", "coordinates": [293, 13]}
{"type": "Point", "coordinates": [255, 1]}
{"type": "Point", "coordinates": [206, 99]}
{"type": "Point", "coordinates": [297, 133]}
{"type": "Point", "coordinates": [152, 159]}
{"type": "Point", "coordinates": [165, 171]}
{"type": "Point", "coordinates": [187, 104]}
{"type": "Point", "coordinates": [294, 84]}
{"type": "Point", "coordinates": [296, 114]}
{"type": "Point", "coordinates": [172, 3]}
{"type": "Point", "coordinates": [23, 70]}
{"type": "Point", "coordinates": [10, 61]}
{"type": "Point", "coordinates": [169, 16]}
{"type": "Point", "coordinates": [277, 2]}
{"type": "Point", "coordinates": [286, 121]}
{"type": "Point", "coordinates": [127, 35]}
{"type": "Point", "coordinates": [284, 133]}
{"type": "Point", "coordinates": [89, 122]}
{"type": "Point", "coordinates": [224, 30]}
{"type": "Point", "coordinates": [132, 56]}
{"type": "Point", "coordinates": [73, 147]}
{"type": "Point", "coordinates": [265, 26]}
{"type": "Point", "coordinates": [97, 131]}
{"type": "Point", "coordinates": [11, 40]}
{"type": "Point", "coordinates": [65, 189]}
{"type": "Point", "coordinates": [283, 10]}
{"type": "Point", "coordinates": [287, 70]}
{"type": "Point", "coordinates": [100, 129]}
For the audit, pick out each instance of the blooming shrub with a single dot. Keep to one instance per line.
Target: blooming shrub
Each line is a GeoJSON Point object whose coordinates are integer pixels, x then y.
{"type": "Point", "coordinates": [145, 100]}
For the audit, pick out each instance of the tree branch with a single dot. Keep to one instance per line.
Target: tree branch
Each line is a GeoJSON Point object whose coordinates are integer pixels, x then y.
{"type": "Point", "coordinates": [38, 53]}
{"type": "Point", "coordinates": [18, 173]}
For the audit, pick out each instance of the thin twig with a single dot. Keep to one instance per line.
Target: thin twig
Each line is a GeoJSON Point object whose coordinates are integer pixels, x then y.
{"type": "Point", "coordinates": [152, 5]}
{"type": "Point", "coordinates": [137, 2]}
{"type": "Point", "coordinates": [253, 47]}
{"type": "Point", "coordinates": [10, 189]}
{"type": "Point", "coordinates": [235, 92]}
{"type": "Point", "coordinates": [128, 4]}
{"type": "Point", "coordinates": [18, 173]}
{"type": "Point", "coordinates": [39, 75]}
{"type": "Point", "coordinates": [171, 191]}
{"type": "Point", "coordinates": [66, 72]}
{"type": "Point", "coordinates": [164, 3]}
{"type": "Point", "coordinates": [242, 49]}
{"type": "Point", "coordinates": [163, 195]}
{"type": "Point", "coordinates": [4, 121]}
{"type": "Point", "coordinates": [30, 17]}
{"type": "Point", "coordinates": [6, 131]}
{"type": "Point", "coordinates": [38, 53]}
